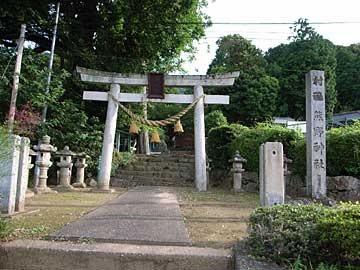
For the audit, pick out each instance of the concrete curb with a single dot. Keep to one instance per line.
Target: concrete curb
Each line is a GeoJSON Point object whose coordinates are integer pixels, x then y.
{"type": "Point", "coordinates": [47, 255]}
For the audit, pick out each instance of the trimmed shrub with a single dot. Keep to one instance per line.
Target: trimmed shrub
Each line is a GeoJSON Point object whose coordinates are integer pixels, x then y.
{"type": "Point", "coordinates": [339, 232]}
{"type": "Point", "coordinates": [314, 233]}
{"type": "Point", "coordinates": [283, 232]}
{"type": "Point", "coordinates": [343, 151]}
{"type": "Point", "coordinates": [248, 142]}
{"type": "Point", "coordinates": [215, 119]}
{"type": "Point", "coordinates": [218, 143]}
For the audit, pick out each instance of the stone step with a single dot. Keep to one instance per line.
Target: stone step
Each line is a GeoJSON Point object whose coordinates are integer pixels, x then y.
{"type": "Point", "coordinates": [128, 181]}
{"type": "Point", "coordinates": [46, 255]}
{"type": "Point", "coordinates": [156, 174]}
{"type": "Point", "coordinates": [160, 167]}
{"type": "Point", "coordinates": [168, 160]}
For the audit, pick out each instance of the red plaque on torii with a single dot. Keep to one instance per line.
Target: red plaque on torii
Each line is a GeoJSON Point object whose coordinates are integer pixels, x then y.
{"type": "Point", "coordinates": [156, 85]}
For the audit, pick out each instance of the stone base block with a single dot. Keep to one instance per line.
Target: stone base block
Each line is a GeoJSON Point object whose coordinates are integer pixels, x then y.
{"type": "Point", "coordinates": [29, 194]}
{"type": "Point", "coordinates": [44, 190]}
{"type": "Point", "coordinates": [97, 190]}
{"type": "Point", "coordinates": [79, 185]}
{"type": "Point", "coordinates": [63, 188]}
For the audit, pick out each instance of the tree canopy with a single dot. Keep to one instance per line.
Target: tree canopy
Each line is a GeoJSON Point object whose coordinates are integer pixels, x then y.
{"type": "Point", "coordinates": [348, 77]}
{"type": "Point", "coordinates": [122, 36]}
{"type": "Point", "coordinates": [254, 95]}
{"type": "Point", "coordinates": [290, 62]}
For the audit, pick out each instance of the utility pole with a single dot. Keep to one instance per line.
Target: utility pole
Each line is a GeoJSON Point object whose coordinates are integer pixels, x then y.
{"type": "Point", "coordinates": [146, 132]}
{"type": "Point", "coordinates": [15, 87]}
{"type": "Point", "coordinates": [47, 90]}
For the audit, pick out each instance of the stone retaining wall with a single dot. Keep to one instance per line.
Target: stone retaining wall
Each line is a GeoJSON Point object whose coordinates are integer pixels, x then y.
{"type": "Point", "coordinates": [340, 188]}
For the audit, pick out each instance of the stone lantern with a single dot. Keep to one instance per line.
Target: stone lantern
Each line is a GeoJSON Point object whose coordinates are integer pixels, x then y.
{"type": "Point", "coordinates": [287, 162]}
{"type": "Point", "coordinates": [80, 170]}
{"type": "Point", "coordinates": [65, 166]}
{"type": "Point", "coordinates": [237, 170]}
{"type": "Point", "coordinates": [44, 163]}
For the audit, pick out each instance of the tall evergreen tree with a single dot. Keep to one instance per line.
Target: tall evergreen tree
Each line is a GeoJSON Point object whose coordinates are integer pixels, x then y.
{"type": "Point", "coordinates": [290, 62]}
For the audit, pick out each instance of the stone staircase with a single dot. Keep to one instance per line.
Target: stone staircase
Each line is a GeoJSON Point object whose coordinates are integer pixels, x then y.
{"type": "Point", "coordinates": [174, 169]}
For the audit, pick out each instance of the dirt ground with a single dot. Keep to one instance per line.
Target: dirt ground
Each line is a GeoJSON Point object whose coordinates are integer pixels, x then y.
{"type": "Point", "coordinates": [217, 218]}
{"type": "Point", "coordinates": [53, 211]}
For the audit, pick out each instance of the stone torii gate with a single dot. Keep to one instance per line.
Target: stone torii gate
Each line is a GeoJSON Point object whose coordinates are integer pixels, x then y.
{"type": "Point", "coordinates": [116, 79]}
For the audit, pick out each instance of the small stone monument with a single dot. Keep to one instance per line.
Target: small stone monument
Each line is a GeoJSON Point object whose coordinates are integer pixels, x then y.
{"type": "Point", "coordinates": [29, 192]}
{"type": "Point", "coordinates": [315, 134]}
{"type": "Point", "coordinates": [272, 184]}
{"type": "Point", "coordinates": [9, 164]}
{"type": "Point", "coordinates": [65, 166]}
{"type": "Point", "coordinates": [237, 170]}
{"type": "Point", "coordinates": [44, 163]}
{"type": "Point", "coordinates": [80, 170]}
{"type": "Point", "coordinates": [23, 174]}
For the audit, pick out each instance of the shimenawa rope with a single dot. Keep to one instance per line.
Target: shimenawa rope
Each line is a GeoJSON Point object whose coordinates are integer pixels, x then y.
{"type": "Point", "coordinates": [157, 123]}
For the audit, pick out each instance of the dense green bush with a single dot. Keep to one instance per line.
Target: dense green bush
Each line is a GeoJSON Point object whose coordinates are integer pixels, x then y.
{"type": "Point", "coordinates": [218, 142]}
{"type": "Point", "coordinates": [339, 232]}
{"type": "Point", "coordinates": [342, 152]}
{"type": "Point", "coordinates": [314, 233]}
{"type": "Point", "coordinates": [342, 147]}
{"type": "Point", "coordinates": [248, 142]}
{"type": "Point", "coordinates": [215, 119]}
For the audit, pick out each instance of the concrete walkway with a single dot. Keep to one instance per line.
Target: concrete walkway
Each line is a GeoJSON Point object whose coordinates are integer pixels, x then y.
{"type": "Point", "coordinates": [146, 215]}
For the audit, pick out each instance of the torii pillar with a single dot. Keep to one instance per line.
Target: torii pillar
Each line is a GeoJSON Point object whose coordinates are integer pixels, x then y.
{"type": "Point", "coordinates": [195, 81]}
{"type": "Point", "coordinates": [108, 140]}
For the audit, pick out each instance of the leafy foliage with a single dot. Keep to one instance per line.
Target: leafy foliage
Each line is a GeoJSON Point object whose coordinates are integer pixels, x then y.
{"type": "Point", "coordinates": [289, 63]}
{"type": "Point", "coordinates": [121, 159]}
{"type": "Point", "coordinates": [347, 79]}
{"type": "Point", "coordinates": [122, 36]}
{"type": "Point", "coordinates": [254, 94]}
{"type": "Point", "coordinates": [342, 152]}
{"type": "Point", "coordinates": [314, 233]}
{"type": "Point", "coordinates": [248, 142]}
{"type": "Point", "coordinates": [215, 119]}
{"type": "Point", "coordinates": [218, 142]}
{"type": "Point", "coordinates": [5, 228]}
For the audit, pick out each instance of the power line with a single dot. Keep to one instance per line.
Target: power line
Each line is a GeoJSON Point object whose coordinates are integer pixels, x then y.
{"type": "Point", "coordinates": [266, 23]}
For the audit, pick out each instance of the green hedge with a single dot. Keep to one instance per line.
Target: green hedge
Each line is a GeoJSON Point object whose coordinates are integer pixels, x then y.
{"type": "Point", "coordinates": [249, 141]}
{"type": "Point", "coordinates": [314, 233]}
{"type": "Point", "coordinates": [342, 152]}
{"type": "Point", "coordinates": [218, 142]}
{"type": "Point", "coordinates": [225, 140]}
{"type": "Point", "coordinates": [343, 147]}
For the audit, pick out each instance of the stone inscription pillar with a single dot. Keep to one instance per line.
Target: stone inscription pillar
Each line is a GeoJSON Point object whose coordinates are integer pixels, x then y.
{"type": "Point", "coordinates": [9, 164]}
{"type": "Point", "coordinates": [315, 134]}
{"type": "Point", "coordinates": [272, 184]}
{"type": "Point", "coordinates": [109, 138]}
{"type": "Point", "coordinates": [23, 174]}
{"type": "Point", "coordinates": [199, 134]}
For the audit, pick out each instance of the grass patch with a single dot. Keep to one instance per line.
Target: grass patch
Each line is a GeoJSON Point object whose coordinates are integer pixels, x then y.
{"type": "Point", "coordinates": [217, 218]}
{"type": "Point", "coordinates": [55, 211]}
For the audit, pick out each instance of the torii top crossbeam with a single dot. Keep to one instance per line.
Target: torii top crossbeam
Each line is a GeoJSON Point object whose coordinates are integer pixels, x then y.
{"type": "Point", "coordinates": [219, 80]}
{"type": "Point", "coordinates": [117, 79]}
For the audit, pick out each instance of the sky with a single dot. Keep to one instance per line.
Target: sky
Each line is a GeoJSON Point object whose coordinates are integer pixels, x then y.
{"type": "Point", "coordinates": [268, 36]}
